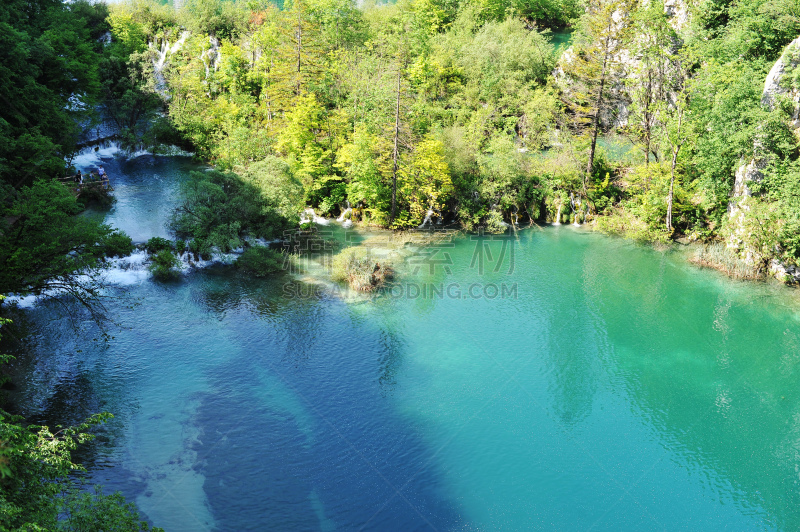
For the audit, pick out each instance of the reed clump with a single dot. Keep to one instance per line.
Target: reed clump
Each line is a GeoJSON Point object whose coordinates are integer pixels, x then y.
{"type": "Point", "coordinates": [361, 270]}
{"type": "Point", "coordinates": [719, 257]}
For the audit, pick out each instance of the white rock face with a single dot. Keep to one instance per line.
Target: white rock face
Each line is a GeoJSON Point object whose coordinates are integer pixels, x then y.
{"type": "Point", "coordinates": [616, 112]}
{"type": "Point", "coordinates": [789, 60]}
{"type": "Point", "coordinates": [678, 13]}
{"type": "Point", "coordinates": [773, 87]}
{"type": "Point", "coordinates": [752, 171]}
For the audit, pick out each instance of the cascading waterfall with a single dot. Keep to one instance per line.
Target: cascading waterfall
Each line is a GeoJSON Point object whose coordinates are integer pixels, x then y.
{"type": "Point", "coordinates": [160, 59]}
{"type": "Point", "coordinates": [558, 216]}
{"type": "Point", "coordinates": [345, 217]}
{"type": "Point", "coordinates": [427, 219]}
{"type": "Point", "coordinates": [575, 205]}
{"type": "Point", "coordinates": [309, 216]}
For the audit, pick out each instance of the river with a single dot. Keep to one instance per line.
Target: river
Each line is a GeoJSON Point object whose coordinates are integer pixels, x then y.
{"type": "Point", "coordinates": [555, 379]}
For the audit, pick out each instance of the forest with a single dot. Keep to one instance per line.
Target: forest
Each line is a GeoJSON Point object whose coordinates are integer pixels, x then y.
{"type": "Point", "coordinates": [647, 119]}
{"type": "Point", "coordinates": [480, 114]}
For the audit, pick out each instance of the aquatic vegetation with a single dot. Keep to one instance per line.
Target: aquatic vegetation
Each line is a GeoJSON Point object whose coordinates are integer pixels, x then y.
{"type": "Point", "coordinates": [720, 257]}
{"type": "Point", "coordinates": [261, 261]}
{"type": "Point", "coordinates": [164, 266]}
{"type": "Point", "coordinates": [361, 270]}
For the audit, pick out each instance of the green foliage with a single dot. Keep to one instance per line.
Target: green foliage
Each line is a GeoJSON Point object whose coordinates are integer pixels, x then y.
{"type": "Point", "coordinates": [261, 261]}
{"type": "Point", "coordinates": [118, 244]}
{"type": "Point", "coordinates": [164, 265]}
{"type": "Point", "coordinates": [44, 245]}
{"type": "Point", "coordinates": [220, 209]}
{"type": "Point", "coordinates": [157, 243]}
{"type": "Point", "coordinates": [224, 19]}
{"type": "Point", "coordinates": [50, 58]}
{"type": "Point", "coordinates": [82, 511]}
{"type": "Point", "coordinates": [277, 184]}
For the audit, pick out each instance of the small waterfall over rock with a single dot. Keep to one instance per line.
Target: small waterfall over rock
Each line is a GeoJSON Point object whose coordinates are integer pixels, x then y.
{"type": "Point", "coordinates": [427, 219]}
{"type": "Point", "coordinates": [309, 216]}
{"type": "Point", "coordinates": [345, 217]}
{"type": "Point", "coordinates": [162, 53]}
{"type": "Point", "coordinates": [558, 216]}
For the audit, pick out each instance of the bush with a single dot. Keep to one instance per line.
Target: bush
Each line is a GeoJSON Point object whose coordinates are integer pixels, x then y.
{"type": "Point", "coordinates": [220, 209]}
{"type": "Point", "coordinates": [156, 244]}
{"type": "Point", "coordinates": [495, 223]}
{"type": "Point", "coordinates": [624, 223]}
{"type": "Point", "coordinates": [96, 511]}
{"type": "Point", "coordinates": [360, 270]}
{"type": "Point", "coordinates": [180, 247]}
{"type": "Point", "coordinates": [96, 195]}
{"type": "Point", "coordinates": [164, 265]}
{"type": "Point", "coordinates": [261, 261]}
{"type": "Point", "coordinates": [118, 244]}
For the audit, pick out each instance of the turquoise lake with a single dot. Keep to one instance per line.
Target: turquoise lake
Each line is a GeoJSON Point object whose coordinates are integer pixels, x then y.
{"type": "Point", "coordinates": [555, 379]}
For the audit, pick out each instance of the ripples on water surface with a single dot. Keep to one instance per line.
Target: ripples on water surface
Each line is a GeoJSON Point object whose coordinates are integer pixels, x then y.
{"type": "Point", "coordinates": [620, 389]}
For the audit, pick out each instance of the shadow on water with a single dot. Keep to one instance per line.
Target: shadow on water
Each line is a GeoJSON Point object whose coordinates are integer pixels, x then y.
{"type": "Point", "coordinates": [297, 433]}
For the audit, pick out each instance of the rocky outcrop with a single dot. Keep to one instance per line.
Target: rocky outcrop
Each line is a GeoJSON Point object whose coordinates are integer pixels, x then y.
{"type": "Point", "coordinates": [678, 13]}
{"type": "Point", "coordinates": [750, 172]}
{"type": "Point", "coordinates": [776, 84]}
{"type": "Point", "coordinates": [616, 112]}
{"type": "Point", "coordinates": [782, 272]}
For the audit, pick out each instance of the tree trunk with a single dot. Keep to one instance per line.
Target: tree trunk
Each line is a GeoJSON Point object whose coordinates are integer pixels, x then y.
{"type": "Point", "coordinates": [395, 152]}
{"type": "Point", "coordinates": [676, 147]}
{"type": "Point", "coordinates": [299, 49]}
{"type": "Point", "coordinates": [596, 124]}
{"type": "Point", "coordinates": [671, 189]}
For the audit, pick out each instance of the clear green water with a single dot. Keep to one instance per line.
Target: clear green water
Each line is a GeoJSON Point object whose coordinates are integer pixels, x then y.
{"type": "Point", "coordinates": [621, 389]}
{"type": "Point", "coordinates": [561, 39]}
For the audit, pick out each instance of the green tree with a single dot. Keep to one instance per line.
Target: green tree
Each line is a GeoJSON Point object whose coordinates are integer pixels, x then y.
{"type": "Point", "coordinates": [652, 40]}
{"type": "Point", "coordinates": [426, 182]}
{"type": "Point", "coordinates": [46, 248]}
{"type": "Point", "coordinates": [220, 209]}
{"type": "Point", "coordinates": [595, 66]}
{"type": "Point", "coordinates": [48, 83]}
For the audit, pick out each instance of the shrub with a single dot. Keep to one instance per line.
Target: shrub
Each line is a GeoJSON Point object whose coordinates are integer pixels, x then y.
{"type": "Point", "coordinates": [118, 244]}
{"type": "Point", "coordinates": [164, 265]}
{"type": "Point", "coordinates": [495, 223]}
{"type": "Point", "coordinates": [624, 223]}
{"type": "Point", "coordinates": [180, 247]}
{"type": "Point", "coordinates": [360, 269]}
{"type": "Point", "coordinates": [261, 261]}
{"type": "Point", "coordinates": [156, 244]}
{"type": "Point", "coordinates": [96, 195]}
{"type": "Point", "coordinates": [220, 209]}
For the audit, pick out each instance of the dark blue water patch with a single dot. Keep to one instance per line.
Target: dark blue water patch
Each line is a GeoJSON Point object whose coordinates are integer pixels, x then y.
{"type": "Point", "coordinates": [255, 465]}
{"type": "Point", "coordinates": [299, 429]}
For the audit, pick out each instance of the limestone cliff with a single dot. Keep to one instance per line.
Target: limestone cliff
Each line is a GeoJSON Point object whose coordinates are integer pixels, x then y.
{"type": "Point", "coordinates": [775, 86]}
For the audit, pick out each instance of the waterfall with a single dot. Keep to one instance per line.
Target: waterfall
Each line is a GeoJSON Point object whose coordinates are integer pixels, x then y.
{"type": "Point", "coordinates": [558, 216]}
{"type": "Point", "coordinates": [344, 219]}
{"type": "Point", "coordinates": [309, 216]}
{"type": "Point", "coordinates": [577, 212]}
{"type": "Point", "coordinates": [160, 60]}
{"type": "Point", "coordinates": [427, 219]}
